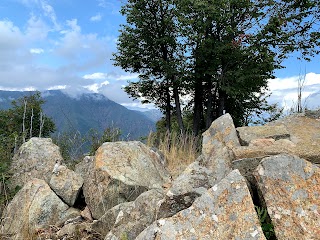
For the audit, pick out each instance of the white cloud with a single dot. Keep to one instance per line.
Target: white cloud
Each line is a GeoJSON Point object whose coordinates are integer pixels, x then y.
{"type": "Point", "coordinates": [11, 36]}
{"type": "Point", "coordinates": [36, 50]}
{"type": "Point", "coordinates": [285, 90]}
{"type": "Point", "coordinates": [50, 13]}
{"type": "Point", "coordinates": [37, 29]}
{"type": "Point", "coordinates": [292, 82]}
{"type": "Point", "coordinates": [96, 86]}
{"type": "Point", "coordinates": [96, 76]}
{"type": "Point", "coordinates": [96, 18]}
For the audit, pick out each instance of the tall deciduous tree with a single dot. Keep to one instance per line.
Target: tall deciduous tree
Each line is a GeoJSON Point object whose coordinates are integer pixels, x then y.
{"type": "Point", "coordinates": [222, 52]}
{"type": "Point", "coordinates": [148, 45]}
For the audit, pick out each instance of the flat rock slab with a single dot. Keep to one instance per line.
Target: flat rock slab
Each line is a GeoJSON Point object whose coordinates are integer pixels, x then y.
{"type": "Point", "coordinates": [225, 211]}
{"type": "Point", "coordinates": [290, 187]}
{"type": "Point", "coordinates": [247, 134]}
{"type": "Point", "coordinates": [305, 133]}
{"type": "Point", "coordinates": [265, 150]}
{"type": "Point", "coordinates": [34, 208]}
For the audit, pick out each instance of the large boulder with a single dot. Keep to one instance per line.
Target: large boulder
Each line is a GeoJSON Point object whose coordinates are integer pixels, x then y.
{"type": "Point", "coordinates": [290, 188]}
{"type": "Point", "coordinates": [35, 159]}
{"type": "Point", "coordinates": [34, 208]}
{"type": "Point", "coordinates": [120, 172]}
{"type": "Point", "coordinates": [225, 211]}
{"type": "Point", "coordinates": [66, 184]}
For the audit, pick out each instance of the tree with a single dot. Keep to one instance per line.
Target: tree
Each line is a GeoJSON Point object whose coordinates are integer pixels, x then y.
{"type": "Point", "coordinates": [25, 120]}
{"type": "Point", "coordinates": [221, 52]}
{"type": "Point", "coordinates": [148, 45]}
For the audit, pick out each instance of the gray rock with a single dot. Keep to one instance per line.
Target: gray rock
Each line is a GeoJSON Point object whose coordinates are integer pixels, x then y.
{"type": "Point", "coordinates": [247, 134]}
{"type": "Point", "coordinates": [131, 221]}
{"type": "Point", "coordinates": [34, 159]}
{"type": "Point", "coordinates": [190, 184]}
{"type": "Point", "coordinates": [67, 184]}
{"type": "Point", "coordinates": [217, 143]}
{"type": "Point", "coordinates": [222, 130]}
{"type": "Point", "coordinates": [226, 211]}
{"type": "Point", "coordinates": [119, 173]}
{"type": "Point", "coordinates": [290, 187]}
{"type": "Point", "coordinates": [34, 208]}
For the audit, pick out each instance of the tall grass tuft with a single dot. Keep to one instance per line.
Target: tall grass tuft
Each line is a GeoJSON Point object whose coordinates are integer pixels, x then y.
{"type": "Point", "coordinates": [178, 149]}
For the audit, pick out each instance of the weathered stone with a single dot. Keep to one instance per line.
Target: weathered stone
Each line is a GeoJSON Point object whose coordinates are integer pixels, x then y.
{"type": "Point", "coordinates": [217, 143]}
{"type": "Point", "coordinates": [262, 142]}
{"type": "Point", "coordinates": [290, 187]}
{"type": "Point", "coordinates": [67, 184]}
{"type": "Point", "coordinates": [192, 183]}
{"type": "Point", "coordinates": [33, 208]}
{"type": "Point", "coordinates": [247, 134]}
{"type": "Point", "coordinates": [253, 151]}
{"type": "Point", "coordinates": [304, 133]}
{"type": "Point", "coordinates": [225, 211]}
{"type": "Point", "coordinates": [222, 130]}
{"type": "Point", "coordinates": [86, 214]}
{"type": "Point", "coordinates": [34, 159]}
{"type": "Point", "coordinates": [104, 224]}
{"type": "Point", "coordinates": [119, 173]}
{"type": "Point", "coordinates": [131, 221]}
{"type": "Point", "coordinates": [246, 167]}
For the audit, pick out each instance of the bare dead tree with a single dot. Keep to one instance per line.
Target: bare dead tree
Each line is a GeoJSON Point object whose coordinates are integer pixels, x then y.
{"type": "Point", "coordinates": [31, 119]}
{"type": "Point", "coordinates": [41, 124]}
{"type": "Point", "coordinates": [23, 121]}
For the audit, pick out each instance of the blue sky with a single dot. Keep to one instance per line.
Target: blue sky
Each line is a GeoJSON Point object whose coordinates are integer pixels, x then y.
{"type": "Point", "coordinates": [67, 44]}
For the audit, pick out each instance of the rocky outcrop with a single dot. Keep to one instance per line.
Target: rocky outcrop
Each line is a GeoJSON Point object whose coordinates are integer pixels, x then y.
{"type": "Point", "coordinates": [34, 208]}
{"type": "Point", "coordinates": [130, 195]}
{"type": "Point", "coordinates": [290, 188]}
{"type": "Point", "coordinates": [66, 184]}
{"type": "Point", "coordinates": [120, 172]}
{"type": "Point", "coordinates": [34, 159]}
{"type": "Point", "coordinates": [225, 211]}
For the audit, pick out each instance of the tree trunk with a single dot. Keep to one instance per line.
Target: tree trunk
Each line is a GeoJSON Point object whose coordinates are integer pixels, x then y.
{"type": "Point", "coordinates": [222, 102]}
{"type": "Point", "coordinates": [198, 108]}
{"type": "Point", "coordinates": [178, 109]}
{"type": "Point", "coordinates": [168, 109]}
{"type": "Point", "coordinates": [209, 117]}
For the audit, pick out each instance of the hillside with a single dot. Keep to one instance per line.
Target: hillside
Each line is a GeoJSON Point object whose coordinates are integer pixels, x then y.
{"type": "Point", "coordinates": [86, 112]}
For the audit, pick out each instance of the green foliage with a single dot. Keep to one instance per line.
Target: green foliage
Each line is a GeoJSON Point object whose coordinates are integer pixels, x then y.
{"type": "Point", "coordinates": [219, 53]}
{"type": "Point", "coordinates": [96, 139]}
{"type": "Point", "coordinates": [25, 111]}
{"type": "Point", "coordinates": [74, 145]}
{"type": "Point", "coordinates": [266, 224]}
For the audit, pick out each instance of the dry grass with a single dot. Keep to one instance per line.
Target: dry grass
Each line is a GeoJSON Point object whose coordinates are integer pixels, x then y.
{"type": "Point", "coordinates": [179, 149]}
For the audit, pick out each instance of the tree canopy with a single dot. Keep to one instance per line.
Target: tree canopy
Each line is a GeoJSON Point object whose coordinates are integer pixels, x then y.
{"type": "Point", "coordinates": [217, 54]}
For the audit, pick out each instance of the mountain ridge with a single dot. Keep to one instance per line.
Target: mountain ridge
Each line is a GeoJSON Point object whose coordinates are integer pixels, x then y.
{"type": "Point", "coordinates": [87, 111]}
